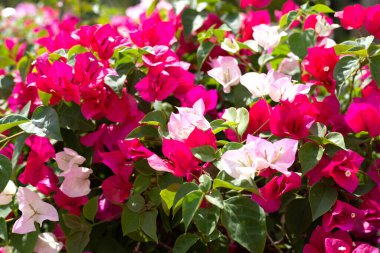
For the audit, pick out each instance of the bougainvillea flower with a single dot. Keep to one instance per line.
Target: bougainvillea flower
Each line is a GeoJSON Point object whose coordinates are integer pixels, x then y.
{"type": "Point", "coordinates": [200, 137]}
{"type": "Point", "coordinates": [259, 115]}
{"type": "Point", "coordinates": [33, 210]}
{"type": "Point", "coordinates": [225, 70]}
{"type": "Point", "coordinates": [279, 155]}
{"type": "Point", "coordinates": [318, 239]}
{"type": "Point", "coordinates": [352, 17]}
{"type": "Point", "coordinates": [68, 158]}
{"type": "Point", "coordinates": [281, 87]}
{"type": "Point", "coordinates": [256, 83]}
{"type": "Point", "coordinates": [268, 37]}
{"type": "Point", "coordinates": [181, 124]}
{"type": "Point", "coordinates": [209, 97]}
{"type": "Point", "coordinates": [47, 243]}
{"type": "Point", "coordinates": [364, 116]}
{"type": "Point", "coordinates": [252, 19]}
{"type": "Point", "coordinates": [343, 216]}
{"type": "Point", "coordinates": [371, 17]}
{"type": "Point", "coordinates": [270, 194]}
{"type": "Point", "coordinates": [255, 3]}
{"type": "Point", "coordinates": [343, 168]}
{"type": "Point", "coordinates": [322, 24]}
{"type": "Point", "coordinates": [288, 6]}
{"type": "Point", "coordinates": [116, 189]}
{"type": "Point", "coordinates": [76, 182]}
{"type": "Point", "coordinates": [7, 194]}
{"type": "Point", "coordinates": [72, 205]}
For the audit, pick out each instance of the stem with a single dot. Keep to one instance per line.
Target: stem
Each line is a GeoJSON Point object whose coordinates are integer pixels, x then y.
{"type": "Point", "coordinates": [7, 139]}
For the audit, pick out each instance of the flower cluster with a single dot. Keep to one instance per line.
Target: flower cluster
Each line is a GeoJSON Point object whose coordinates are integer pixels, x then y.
{"type": "Point", "coordinates": [190, 127]}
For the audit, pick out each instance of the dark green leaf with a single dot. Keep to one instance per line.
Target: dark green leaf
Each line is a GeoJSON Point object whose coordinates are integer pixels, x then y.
{"type": "Point", "coordinates": [141, 184]}
{"type": "Point", "coordinates": [205, 182]}
{"type": "Point", "coordinates": [90, 209]}
{"type": "Point", "coordinates": [116, 83]}
{"type": "Point", "coordinates": [11, 120]}
{"type": "Point", "coordinates": [148, 223]}
{"type": "Point", "coordinates": [23, 243]}
{"type": "Point", "coordinates": [206, 220]}
{"type": "Point", "coordinates": [322, 197]}
{"type": "Point", "coordinates": [232, 19]}
{"type": "Point", "coordinates": [129, 221]}
{"type": "Point", "coordinates": [345, 69]}
{"type": "Point", "coordinates": [77, 241]}
{"type": "Point", "coordinates": [251, 231]}
{"type": "Point", "coordinates": [374, 66]}
{"type": "Point", "coordinates": [136, 203]}
{"type": "Point", "coordinates": [204, 153]}
{"type": "Point", "coordinates": [300, 41]}
{"type": "Point", "coordinates": [6, 86]}
{"type": "Point", "coordinates": [192, 20]}
{"type": "Point", "coordinates": [184, 243]}
{"type": "Point", "coordinates": [336, 139]}
{"type": "Point", "coordinates": [23, 66]}
{"type": "Point", "coordinates": [191, 203]}
{"type": "Point", "coordinates": [3, 229]}
{"type": "Point", "coordinates": [44, 123]}
{"type": "Point", "coordinates": [215, 198]}
{"type": "Point", "coordinates": [19, 144]}
{"type": "Point", "coordinates": [203, 51]}
{"type": "Point", "coordinates": [71, 117]}
{"type": "Point", "coordinates": [298, 216]}
{"type": "Point", "coordinates": [309, 155]}
{"type": "Point", "coordinates": [144, 131]}
{"type": "Point", "coordinates": [155, 118]}
{"type": "Point", "coordinates": [5, 171]}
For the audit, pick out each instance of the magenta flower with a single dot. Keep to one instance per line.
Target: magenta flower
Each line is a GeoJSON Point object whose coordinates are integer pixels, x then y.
{"type": "Point", "coordinates": [343, 216]}
{"type": "Point", "coordinates": [255, 3]}
{"type": "Point", "coordinates": [251, 19]}
{"type": "Point", "coordinates": [371, 17]}
{"type": "Point", "coordinates": [270, 199]}
{"type": "Point", "coordinates": [352, 16]}
{"type": "Point", "coordinates": [259, 115]}
{"type": "Point", "coordinates": [72, 205]}
{"type": "Point", "coordinates": [33, 210]}
{"type": "Point", "coordinates": [209, 97]}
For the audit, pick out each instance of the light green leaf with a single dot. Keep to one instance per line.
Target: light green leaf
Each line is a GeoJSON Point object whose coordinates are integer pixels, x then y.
{"type": "Point", "coordinates": [11, 120]}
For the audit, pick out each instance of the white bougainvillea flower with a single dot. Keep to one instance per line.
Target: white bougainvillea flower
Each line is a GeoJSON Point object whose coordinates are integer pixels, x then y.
{"type": "Point", "coordinates": [181, 124]}
{"type": "Point", "coordinates": [279, 155]}
{"type": "Point", "coordinates": [267, 36]}
{"type": "Point", "coordinates": [76, 182]}
{"type": "Point", "coordinates": [7, 195]}
{"type": "Point", "coordinates": [225, 71]}
{"type": "Point", "coordinates": [33, 210]}
{"type": "Point", "coordinates": [281, 87]}
{"type": "Point", "coordinates": [230, 45]}
{"type": "Point", "coordinates": [47, 243]}
{"type": "Point", "coordinates": [256, 83]}
{"type": "Point", "coordinates": [289, 65]}
{"type": "Point", "coordinates": [323, 28]}
{"type": "Point", "coordinates": [68, 158]}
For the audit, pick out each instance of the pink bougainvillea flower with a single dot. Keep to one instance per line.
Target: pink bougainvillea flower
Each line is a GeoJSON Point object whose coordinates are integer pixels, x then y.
{"type": "Point", "coordinates": [291, 119]}
{"type": "Point", "coordinates": [322, 24]}
{"type": "Point", "coordinates": [259, 115]}
{"type": "Point", "coordinates": [343, 216]}
{"type": "Point", "coordinates": [320, 63]}
{"type": "Point", "coordinates": [181, 124]}
{"type": "Point", "coordinates": [33, 210]}
{"type": "Point", "coordinates": [343, 168]}
{"type": "Point", "coordinates": [72, 205]}
{"type": "Point", "coordinates": [252, 19]}
{"type": "Point", "coordinates": [8, 193]}
{"type": "Point", "coordinates": [153, 31]}
{"type": "Point", "coordinates": [255, 3]}
{"type": "Point", "coordinates": [209, 97]}
{"type": "Point", "coordinates": [352, 16]}
{"type": "Point", "coordinates": [279, 155]}
{"type": "Point", "coordinates": [364, 115]}
{"type": "Point", "coordinates": [68, 158]}
{"type": "Point", "coordinates": [270, 194]}
{"type": "Point", "coordinates": [371, 17]}
{"type": "Point", "coordinates": [256, 83]}
{"type": "Point", "coordinates": [268, 37]}
{"type": "Point", "coordinates": [225, 70]}
{"type": "Point", "coordinates": [47, 243]}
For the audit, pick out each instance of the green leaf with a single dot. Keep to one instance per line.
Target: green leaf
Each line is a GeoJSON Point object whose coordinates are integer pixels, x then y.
{"type": "Point", "coordinates": [44, 123]}
{"type": "Point", "coordinates": [191, 203]}
{"type": "Point", "coordinates": [298, 216]}
{"type": "Point", "coordinates": [321, 8]}
{"type": "Point", "coordinates": [90, 209]}
{"type": "Point", "coordinates": [242, 118]}
{"type": "Point", "coordinates": [204, 153]}
{"type": "Point", "coordinates": [167, 197]}
{"type": "Point", "coordinates": [148, 223]}
{"type": "Point", "coordinates": [5, 171]}
{"type": "Point", "coordinates": [309, 155]}
{"type": "Point", "coordinates": [215, 198]}
{"type": "Point", "coordinates": [287, 19]}
{"type": "Point", "coordinates": [203, 51]}
{"type": "Point", "coordinates": [79, 235]}
{"type": "Point", "coordinates": [116, 83]}
{"type": "Point", "coordinates": [71, 117]}
{"type": "Point", "coordinates": [245, 222]}
{"type": "Point", "coordinates": [129, 221]}
{"type": "Point", "coordinates": [144, 131]}
{"type": "Point", "coordinates": [23, 243]}
{"type": "Point", "coordinates": [300, 41]}
{"type": "Point", "coordinates": [322, 197]}
{"type": "Point", "coordinates": [23, 66]}
{"type": "Point", "coordinates": [218, 126]}
{"type": "Point", "coordinates": [184, 243]}
{"type": "Point", "coordinates": [344, 70]}
{"type": "Point", "coordinates": [205, 182]}
{"type": "Point", "coordinates": [44, 97]}
{"type": "Point", "coordinates": [336, 139]}
{"type": "Point", "coordinates": [192, 20]}
{"type": "Point", "coordinates": [19, 144]}
{"type": "Point", "coordinates": [318, 129]}
{"type": "Point", "coordinates": [374, 66]}
{"type": "Point", "coordinates": [206, 220]}
{"type": "Point", "coordinates": [232, 19]}
{"type": "Point", "coordinates": [184, 189]}
{"type": "Point", "coordinates": [6, 86]}
{"type": "Point", "coordinates": [155, 118]}
{"type": "Point", "coordinates": [11, 120]}
{"type": "Point", "coordinates": [136, 203]}
{"type": "Point", "coordinates": [141, 184]}
{"type": "Point", "coordinates": [366, 184]}
{"type": "Point", "coordinates": [3, 229]}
